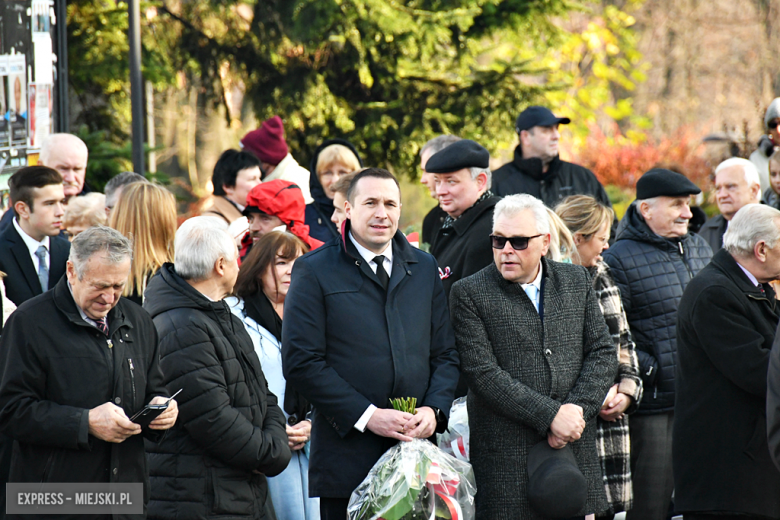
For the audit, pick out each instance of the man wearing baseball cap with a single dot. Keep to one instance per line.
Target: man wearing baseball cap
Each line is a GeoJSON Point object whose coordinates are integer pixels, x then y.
{"type": "Point", "coordinates": [652, 261]}
{"type": "Point", "coordinates": [538, 170]}
{"type": "Point", "coordinates": [267, 144]}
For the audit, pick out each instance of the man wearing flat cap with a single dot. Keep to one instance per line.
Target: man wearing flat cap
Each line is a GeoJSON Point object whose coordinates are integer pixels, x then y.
{"type": "Point", "coordinates": [538, 170]}
{"type": "Point", "coordinates": [461, 245]}
{"type": "Point", "coordinates": [653, 259]}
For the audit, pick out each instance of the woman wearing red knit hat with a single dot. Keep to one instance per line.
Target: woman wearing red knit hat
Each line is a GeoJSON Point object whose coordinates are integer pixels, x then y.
{"type": "Point", "coordinates": [276, 205]}
{"type": "Point", "coordinates": [268, 144]}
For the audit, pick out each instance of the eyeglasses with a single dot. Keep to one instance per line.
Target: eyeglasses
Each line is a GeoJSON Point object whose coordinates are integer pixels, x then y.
{"type": "Point", "coordinates": [518, 243]}
{"type": "Point", "coordinates": [773, 124]}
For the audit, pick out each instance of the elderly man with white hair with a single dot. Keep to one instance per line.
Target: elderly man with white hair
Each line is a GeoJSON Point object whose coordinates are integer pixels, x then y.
{"type": "Point", "coordinates": [67, 154]}
{"type": "Point", "coordinates": [231, 432]}
{"type": "Point", "coordinates": [726, 326]}
{"type": "Point", "coordinates": [539, 360]}
{"type": "Point", "coordinates": [736, 185]}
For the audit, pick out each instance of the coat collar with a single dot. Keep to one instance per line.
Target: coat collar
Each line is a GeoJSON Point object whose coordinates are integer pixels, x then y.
{"type": "Point", "coordinates": [471, 215]}
{"type": "Point", "coordinates": [403, 254]}
{"type": "Point", "coordinates": [726, 263]}
{"type": "Point", "coordinates": [64, 301]}
{"type": "Point", "coordinates": [533, 166]}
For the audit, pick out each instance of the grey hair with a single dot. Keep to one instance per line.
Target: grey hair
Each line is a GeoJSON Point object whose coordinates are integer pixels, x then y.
{"type": "Point", "coordinates": [199, 243]}
{"type": "Point", "coordinates": [439, 143]}
{"type": "Point", "coordinates": [476, 171]}
{"type": "Point", "coordinates": [122, 179]}
{"type": "Point", "coordinates": [514, 204]}
{"type": "Point", "coordinates": [98, 239]}
{"type": "Point", "coordinates": [751, 173]}
{"type": "Point", "coordinates": [53, 140]}
{"type": "Point", "coordinates": [752, 224]}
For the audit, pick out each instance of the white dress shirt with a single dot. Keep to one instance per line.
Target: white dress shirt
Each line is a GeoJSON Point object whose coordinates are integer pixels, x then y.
{"type": "Point", "coordinates": [749, 275]}
{"type": "Point", "coordinates": [369, 256]}
{"type": "Point", "coordinates": [33, 246]}
{"type": "Point", "coordinates": [538, 284]}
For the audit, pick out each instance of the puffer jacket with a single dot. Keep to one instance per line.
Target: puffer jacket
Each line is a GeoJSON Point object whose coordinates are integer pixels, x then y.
{"type": "Point", "coordinates": [652, 273]}
{"type": "Point", "coordinates": [230, 432]}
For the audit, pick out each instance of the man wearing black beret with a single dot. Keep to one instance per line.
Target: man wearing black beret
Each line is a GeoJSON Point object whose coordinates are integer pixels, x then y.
{"type": "Point", "coordinates": [462, 177]}
{"type": "Point", "coordinates": [653, 259]}
{"type": "Point", "coordinates": [538, 170]}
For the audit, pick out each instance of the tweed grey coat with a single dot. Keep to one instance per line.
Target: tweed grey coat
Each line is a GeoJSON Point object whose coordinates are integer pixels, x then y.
{"type": "Point", "coordinates": [521, 369]}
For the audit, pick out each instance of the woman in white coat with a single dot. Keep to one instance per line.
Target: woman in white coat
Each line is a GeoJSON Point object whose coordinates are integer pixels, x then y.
{"type": "Point", "coordinates": [260, 291]}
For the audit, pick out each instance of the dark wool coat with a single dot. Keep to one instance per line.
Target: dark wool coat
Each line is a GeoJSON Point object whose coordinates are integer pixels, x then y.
{"type": "Point", "coordinates": [465, 247]}
{"type": "Point", "coordinates": [520, 370]}
{"type": "Point", "coordinates": [651, 272]}
{"type": "Point", "coordinates": [347, 344]}
{"type": "Point", "coordinates": [725, 330]}
{"type": "Point", "coordinates": [21, 280]}
{"type": "Point", "coordinates": [712, 231]}
{"type": "Point", "coordinates": [55, 369]}
{"type": "Point", "coordinates": [431, 223]}
{"type": "Point", "coordinates": [229, 426]}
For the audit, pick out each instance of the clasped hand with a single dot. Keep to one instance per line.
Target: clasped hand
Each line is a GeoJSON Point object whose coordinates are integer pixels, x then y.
{"type": "Point", "coordinates": [568, 425]}
{"type": "Point", "coordinates": [401, 425]}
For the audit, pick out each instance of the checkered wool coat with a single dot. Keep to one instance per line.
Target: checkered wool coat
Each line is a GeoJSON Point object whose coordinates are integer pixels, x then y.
{"type": "Point", "coordinates": [521, 367]}
{"type": "Point", "coordinates": [612, 441]}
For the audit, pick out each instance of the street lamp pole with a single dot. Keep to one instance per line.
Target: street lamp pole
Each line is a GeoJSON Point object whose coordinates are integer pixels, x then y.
{"type": "Point", "coordinates": [136, 85]}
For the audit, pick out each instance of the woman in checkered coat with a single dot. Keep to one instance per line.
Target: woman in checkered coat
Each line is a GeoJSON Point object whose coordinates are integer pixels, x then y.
{"type": "Point", "coordinates": [589, 221]}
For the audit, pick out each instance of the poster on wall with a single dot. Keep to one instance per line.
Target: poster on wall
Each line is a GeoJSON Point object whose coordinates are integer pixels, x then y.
{"type": "Point", "coordinates": [5, 133]}
{"type": "Point", "coordinates": [40, 113]}
{"type": "Point", "coordinates": [16, 87]}
{"type": "Point", "coordinates": [42, 46]}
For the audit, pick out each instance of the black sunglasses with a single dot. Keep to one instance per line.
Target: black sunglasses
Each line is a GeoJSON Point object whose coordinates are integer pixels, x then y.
{"type": "Point", "coordinates": [773, 124]}
{"type": "Point", "coordinates": [518, 243]}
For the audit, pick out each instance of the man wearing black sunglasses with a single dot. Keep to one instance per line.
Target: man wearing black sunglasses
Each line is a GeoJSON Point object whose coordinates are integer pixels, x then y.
{"type": "Point", "coordinates": [767, 143]}
{"type": "Point", "coordinates": [538, 359]}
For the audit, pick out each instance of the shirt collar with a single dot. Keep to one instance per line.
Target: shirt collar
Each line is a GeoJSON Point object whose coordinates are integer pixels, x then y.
{"type": "Point", "coordinates": [29, 241]}
{"type": "Point", "coordinates": [369, 256]}
{"type": "Point", "coordinates": [537, 282]}
{"type": "Point", "coordinates": [750, 276]}
{"type": "Point", "coordinates": [81, 311]}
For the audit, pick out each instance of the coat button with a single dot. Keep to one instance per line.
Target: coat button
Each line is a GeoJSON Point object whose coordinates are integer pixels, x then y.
{"type": "Point", "coordinates": [547, 352]}
{"type": "Point", "coordinates": [118, 400]}
{"type": "Point", "coordinates": [116, 471]}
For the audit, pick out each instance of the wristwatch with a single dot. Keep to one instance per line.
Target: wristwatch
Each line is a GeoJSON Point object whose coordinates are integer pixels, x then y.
{"type": "Point", "coordinates": [441, 420]}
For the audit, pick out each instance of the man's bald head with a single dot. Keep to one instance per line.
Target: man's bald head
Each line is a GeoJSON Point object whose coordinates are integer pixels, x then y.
{"type": "Point", "coordinates": [67, 154]}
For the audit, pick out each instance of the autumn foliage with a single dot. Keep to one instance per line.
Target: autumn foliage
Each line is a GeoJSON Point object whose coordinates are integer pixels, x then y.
{"type": "Point", "coordinates": [619, 161]}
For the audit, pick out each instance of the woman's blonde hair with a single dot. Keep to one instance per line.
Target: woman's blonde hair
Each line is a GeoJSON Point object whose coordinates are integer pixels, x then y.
{"type": "Point", "coordinates": [583, 214]}
{"type": "Point", "coordinates": [562, 248]}
{"type": "Point", "coordinates": [146, 214]}
{"type": "Point", "coordinates": [337, 154]}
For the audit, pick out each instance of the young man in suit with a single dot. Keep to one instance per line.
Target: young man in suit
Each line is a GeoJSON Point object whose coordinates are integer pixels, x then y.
{"type": "Point", "coordinates": [366, 320]}
{"type": "Point", "coordinates": [32, 254]}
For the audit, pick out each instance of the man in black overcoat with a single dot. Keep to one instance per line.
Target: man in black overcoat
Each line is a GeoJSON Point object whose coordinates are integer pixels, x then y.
{"type": "Point", "coordinates": [366, 320]}
{"type": "Point", "coordinates": [726, 324]}
{"type": "Point", "coordinates": [75, 363]}
{"type": "Point", "coordinates": [462, 177]}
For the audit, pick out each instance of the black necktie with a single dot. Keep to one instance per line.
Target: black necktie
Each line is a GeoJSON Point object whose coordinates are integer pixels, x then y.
{"type": "Point", "coordinates": [380, 271]}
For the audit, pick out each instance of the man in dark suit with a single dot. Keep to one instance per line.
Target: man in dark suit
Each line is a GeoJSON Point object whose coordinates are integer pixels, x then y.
{"type": "Point", "coordinates": [726, 325]}
{"type": "Point", "coordinates": [366, 321]}
{"type": "Point", "coordinates": [539, 361]}
{"type": "Point", "coordinates": [32, 255]}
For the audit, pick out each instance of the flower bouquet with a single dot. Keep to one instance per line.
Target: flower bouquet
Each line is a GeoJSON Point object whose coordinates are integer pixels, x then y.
{"type": "Point", "coordinates": [415, 481]}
